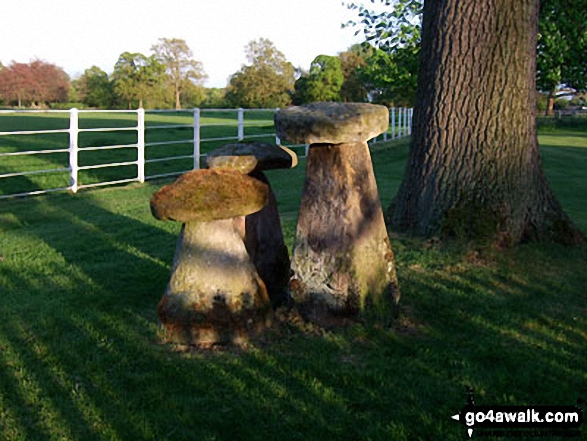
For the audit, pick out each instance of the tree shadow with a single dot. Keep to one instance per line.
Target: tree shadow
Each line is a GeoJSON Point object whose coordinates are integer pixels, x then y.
{"type": "Point", "coordinates": [81, 358]}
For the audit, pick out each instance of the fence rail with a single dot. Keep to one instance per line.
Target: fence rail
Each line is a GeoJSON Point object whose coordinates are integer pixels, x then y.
{"type": "Point", "coordinates": [400, 125]}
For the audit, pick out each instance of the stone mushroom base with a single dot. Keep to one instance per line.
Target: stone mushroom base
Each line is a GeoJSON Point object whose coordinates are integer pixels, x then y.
{"type": "Point", "coordinates": [342, 259]}
{"type": "Point", "coordinates": [265, 244]}
{"type": "Point", "coordinates": [215, 295]}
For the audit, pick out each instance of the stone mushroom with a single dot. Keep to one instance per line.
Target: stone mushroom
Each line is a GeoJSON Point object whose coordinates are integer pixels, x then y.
{"type": "Point", "coordinates": [214, 295]}
{"type": "Point", "coordinates": [263, 233]}
{"type": "Point", "coordinates": [342, 262]}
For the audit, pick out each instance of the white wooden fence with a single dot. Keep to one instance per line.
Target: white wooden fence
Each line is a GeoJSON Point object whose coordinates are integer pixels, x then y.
{"type": "Point", "coordinates": [400, 125]}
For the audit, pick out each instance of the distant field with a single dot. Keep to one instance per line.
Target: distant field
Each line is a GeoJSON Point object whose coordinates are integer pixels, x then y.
{"type": "Point", "coordinates": [213, 125]}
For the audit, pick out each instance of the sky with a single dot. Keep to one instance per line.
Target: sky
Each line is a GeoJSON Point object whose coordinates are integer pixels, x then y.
{"type": "Point", "coordinates": [78, 34]}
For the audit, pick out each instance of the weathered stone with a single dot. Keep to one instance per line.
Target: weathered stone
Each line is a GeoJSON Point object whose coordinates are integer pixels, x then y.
{"type": "Point", "coordinates": [206, 195]}
{"type": "Point", "coordinates": [342, 260]}
{"type": "Point", "coordinates": [215, 295]}
{"type": "Point", "coordinates": [263, 235]}
{"type": "Point", "coordinates": [264, 243]}
{"type": "Point", "coordinates": [246, 157]}
{"type": "Point", "coordinates": [331, 123]}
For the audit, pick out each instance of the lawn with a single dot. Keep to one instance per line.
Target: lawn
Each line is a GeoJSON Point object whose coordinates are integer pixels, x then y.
{"type": "Point", "coordinates": [214, 125]}
{"type": "Point", "coordinates": [82, 356]}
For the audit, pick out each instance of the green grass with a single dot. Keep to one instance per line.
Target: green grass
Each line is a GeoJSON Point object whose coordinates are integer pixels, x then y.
{"type": "Point", "coordinates": [214, 125]}
{"type": "Point", "coordinates": [81, 354]}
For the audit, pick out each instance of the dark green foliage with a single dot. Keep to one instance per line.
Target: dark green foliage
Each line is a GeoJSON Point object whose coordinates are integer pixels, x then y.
{"type": "Point", "coordinates": [392, 77]}
{"type": "Point", "coordinates": [324, 80]}
{"type": "Point", "coordinates": [562, 45]}
{"type": "Point", "coordinates": [561, 51]}
{"type": "Point", "coordinates": [266, 82]}
{"type": "Point", "coordinates": [95, 89]}
{"type": "Point", "coordinates": [351, 61]}
{"type": "Point", "coordinates": [137, 78]}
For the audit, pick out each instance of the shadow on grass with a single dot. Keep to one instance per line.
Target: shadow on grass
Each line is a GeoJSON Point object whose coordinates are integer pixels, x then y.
{"type": "Point", "coordinates": [80, 352]}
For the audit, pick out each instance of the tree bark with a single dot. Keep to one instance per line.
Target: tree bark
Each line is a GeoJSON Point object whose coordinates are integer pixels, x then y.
{"type": "Point", "coordinates": [177, 98]}
{"type": "Point", "coordinates": [550, 104]}
{"type": "Point", "coordinates": [474, 166]}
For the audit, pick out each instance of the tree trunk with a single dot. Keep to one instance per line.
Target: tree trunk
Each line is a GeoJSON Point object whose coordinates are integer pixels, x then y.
{"type": "Point", "coordinates": [177, 100]}
{"type": "Point", "coordinates": [550, 103]}
{"type": "Point", "coordinates": [473, 169]}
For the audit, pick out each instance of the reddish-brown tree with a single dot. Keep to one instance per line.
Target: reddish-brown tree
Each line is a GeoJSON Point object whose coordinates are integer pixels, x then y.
{"type": "Point", "coordinates": [37, 82]}
{"type": "Point", "coordinates": [474, 164]}
{"type": "Point", "coordinates": [15, 83]}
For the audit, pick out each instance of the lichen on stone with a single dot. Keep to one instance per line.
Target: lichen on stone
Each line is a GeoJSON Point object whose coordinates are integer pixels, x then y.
{"type": "Point", "coordinates": [246, 157]}
{"type": "Point", "coordinates": [331, 123]}
{"type": "Point", "coordinates": [207, 195]}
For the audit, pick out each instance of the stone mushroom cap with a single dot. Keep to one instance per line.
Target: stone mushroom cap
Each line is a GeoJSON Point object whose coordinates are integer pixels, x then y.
{"type": "Point", "coordinates": [208, 195]}
{"type": "Point", "coordinates": [246, 157]}
{"type": "Point", "coordinates": [331, 123]}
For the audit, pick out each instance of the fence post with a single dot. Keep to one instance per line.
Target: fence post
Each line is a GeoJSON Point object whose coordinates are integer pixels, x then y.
{"type": "Point", "coordinates": [141, 145]}
{"type": "Point", "coordinates": [196, 138]}
{"type": "Point", "coordinates": [411, 114]}
{"type": "Point", "coordinates": [73, 149]}
{"type": "Point", "coordinates": [407, 122]}
{"type": "Point", "coordinates": [393, 123]}
{"type": "Point", "coordinates": [241, 124]}
{"type": "Point", "coordinates": [277, 140]}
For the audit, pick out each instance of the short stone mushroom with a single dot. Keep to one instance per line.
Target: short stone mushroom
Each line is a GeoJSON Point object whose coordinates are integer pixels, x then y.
{"type": "Point", "coordinates": [214, 295]}
{"type": "Point", "coordinates": [342, 263]}
{"type": "Point", "coordinates": [263, 236]}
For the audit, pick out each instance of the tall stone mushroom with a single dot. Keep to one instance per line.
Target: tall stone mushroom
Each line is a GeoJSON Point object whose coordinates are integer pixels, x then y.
{"type": "Point", "coordinates": [214, 295]}
{"type": "Point", "coordinates": [263, 233]}
{"type": "Point", "coordinates": [342, 263]}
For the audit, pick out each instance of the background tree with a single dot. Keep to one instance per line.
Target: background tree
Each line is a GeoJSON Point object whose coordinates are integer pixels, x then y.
{"type": "Point", "coordinates": [214, 98]}
{"type": "Point", "coordinates": [266, 82]}
{"type": "Point", "coordinates": [324, 79]}
{"type": "Point", "coordinates": [390, 73]}
{"type": "Point", "coordinates": [95, 89]}
{"type": "Point", "coordinates": [562, 47]}
{"type": "Point", "coordinates": [300, 94]}
{"type": "Point", "coordinates": [136, 77]}
{"type": "Point", "coordinates": [352, 62]}
{"type": "Point", "coordinates": [16, 82]}
{"type": "Point", "coordinates": [184, 72]}
{"type": "Point", "coordinates": [193, 95]}
{"type": "Point", "coordinates": [391, 76]}
{"type": "Point", "coordinates": [36, 83]}
{"type": "Point", "coordinates": [51, 83]}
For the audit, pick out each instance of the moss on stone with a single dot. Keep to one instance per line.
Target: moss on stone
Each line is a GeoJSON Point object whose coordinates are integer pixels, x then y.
{"type": "Point", "coordinates": [207, 195]}
{"type": "Point", "coordinates": [331, 123]}
{"type": "Point", "coordinates": [246, 157]}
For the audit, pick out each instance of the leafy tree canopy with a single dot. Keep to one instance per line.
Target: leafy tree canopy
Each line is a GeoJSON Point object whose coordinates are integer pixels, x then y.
{"type": "Point", "coordinates": [137, 76]}
{"type": "Point", "coordinates": [95, 89]}
{"type": "Point", "coordinates": [184, 72]}
{"type": "Point", "coordinates": [562, 47]}
{"type": "Point", "coordinates": [393, 25]}
{"type": "Point", "coordinates": [323, 82]}
{"type": "Point", "coordinates": [35, 83]}
{"type": "Point", "coordinates": [266, 82]}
